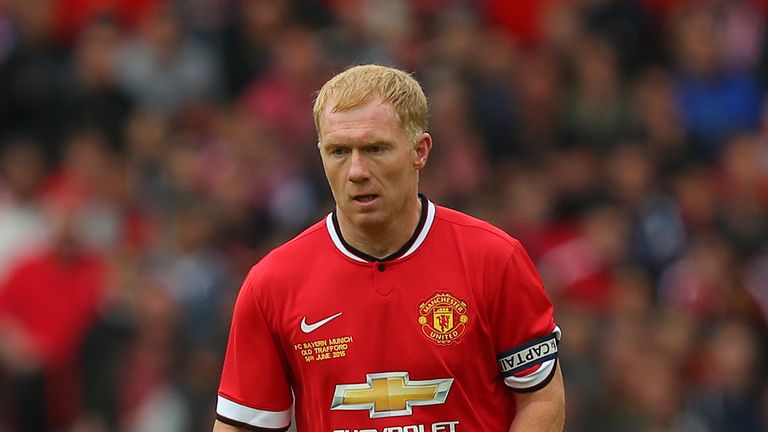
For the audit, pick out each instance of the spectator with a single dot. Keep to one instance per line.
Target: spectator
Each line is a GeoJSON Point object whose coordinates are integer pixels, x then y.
{"type": "Point", "coordinates": [165, 71]}
{"type": "Point", "coordinates": [716, 100]}
{"type": "Point", "coordinates": [94, 98]}
{"type": "Point", "coordinates": [24, 227]}
{"type": "Point", "coordinates": [48, 303]}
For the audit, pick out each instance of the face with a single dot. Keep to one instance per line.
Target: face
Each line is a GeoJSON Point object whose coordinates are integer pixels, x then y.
{"type": "Point", "coordinates": [371, 164]}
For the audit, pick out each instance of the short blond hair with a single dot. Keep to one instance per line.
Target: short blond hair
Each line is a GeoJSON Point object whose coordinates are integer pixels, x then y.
{"type": "Point", "coordinates": [359, 85]}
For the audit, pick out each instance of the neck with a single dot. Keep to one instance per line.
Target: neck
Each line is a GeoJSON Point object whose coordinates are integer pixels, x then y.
{"type": "Point", "coordinates": [382, 240]}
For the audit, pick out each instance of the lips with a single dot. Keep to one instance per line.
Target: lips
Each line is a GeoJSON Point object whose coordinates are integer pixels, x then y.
{"type": "Point", "coordinates": [364, 198]}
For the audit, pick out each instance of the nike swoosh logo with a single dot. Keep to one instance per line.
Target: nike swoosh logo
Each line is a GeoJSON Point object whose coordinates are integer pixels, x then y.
{"type": "Point", "coordinates": [309, 328]}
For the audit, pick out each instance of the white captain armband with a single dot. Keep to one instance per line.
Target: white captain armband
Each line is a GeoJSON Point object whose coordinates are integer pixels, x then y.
{"type": "Point", "coordinates": [532, 353]}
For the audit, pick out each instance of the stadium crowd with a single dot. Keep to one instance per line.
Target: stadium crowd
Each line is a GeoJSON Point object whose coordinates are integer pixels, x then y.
{"type": "Point", "coordinates": [152, 151]}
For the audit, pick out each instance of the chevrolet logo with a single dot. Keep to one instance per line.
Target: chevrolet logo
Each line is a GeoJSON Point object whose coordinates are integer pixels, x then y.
{"type": "Point", "coordinates": [390, 394]}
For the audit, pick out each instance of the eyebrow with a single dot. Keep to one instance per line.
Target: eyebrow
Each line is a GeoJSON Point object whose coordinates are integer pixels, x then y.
{"type": "Point", "coordinates": [379, 142]}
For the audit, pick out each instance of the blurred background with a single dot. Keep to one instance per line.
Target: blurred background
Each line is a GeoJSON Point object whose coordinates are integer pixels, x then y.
{"type": "Point", "coordinates": [151, 151]}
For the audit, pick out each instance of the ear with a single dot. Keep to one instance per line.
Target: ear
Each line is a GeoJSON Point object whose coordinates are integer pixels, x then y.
{"type": "Point", "coordinates": [421, 151]}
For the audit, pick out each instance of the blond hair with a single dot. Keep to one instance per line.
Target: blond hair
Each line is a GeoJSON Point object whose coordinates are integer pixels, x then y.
{"type": "Point", "coordinates": [359, 85]}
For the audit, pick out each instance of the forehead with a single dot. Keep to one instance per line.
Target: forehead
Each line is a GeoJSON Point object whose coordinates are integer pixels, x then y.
{"type": "Point", "coordinates": [374, 119]}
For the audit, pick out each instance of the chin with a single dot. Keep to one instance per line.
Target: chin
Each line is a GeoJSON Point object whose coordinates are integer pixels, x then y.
{"type": "Point", "coordinates": [365, 219]}
{"type": "Point", "coordinates": [368, 220]}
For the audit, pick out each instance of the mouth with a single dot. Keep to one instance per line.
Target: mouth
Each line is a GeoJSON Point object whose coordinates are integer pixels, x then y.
{"type": "Point", "coordinates": [364, 199]}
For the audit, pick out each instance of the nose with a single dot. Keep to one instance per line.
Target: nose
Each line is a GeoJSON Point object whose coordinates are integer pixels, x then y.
{"type": "Point", "coordinates": [358, 170]}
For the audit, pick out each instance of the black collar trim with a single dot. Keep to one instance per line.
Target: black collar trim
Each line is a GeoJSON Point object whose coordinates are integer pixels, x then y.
{"type": "Point", "coordinates": [418, 237]}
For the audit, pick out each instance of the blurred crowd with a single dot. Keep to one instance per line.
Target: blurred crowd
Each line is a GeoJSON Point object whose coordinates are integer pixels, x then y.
{"type": "Point", "coordinates": [151, 151]}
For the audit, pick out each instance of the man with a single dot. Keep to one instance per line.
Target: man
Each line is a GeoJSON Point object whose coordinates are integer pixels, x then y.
{"type": "Point", "coordinates": [392, 314]}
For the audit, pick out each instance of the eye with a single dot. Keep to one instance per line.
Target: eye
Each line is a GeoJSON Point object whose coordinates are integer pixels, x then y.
{"type": "Point", "coordinates": [374, 148]}
{"type": "Point", "coordinates": [338, 151]}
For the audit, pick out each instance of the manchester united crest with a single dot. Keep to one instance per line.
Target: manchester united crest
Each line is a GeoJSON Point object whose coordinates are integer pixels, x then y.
{"type": "Point", "coordinates": [443, 318]}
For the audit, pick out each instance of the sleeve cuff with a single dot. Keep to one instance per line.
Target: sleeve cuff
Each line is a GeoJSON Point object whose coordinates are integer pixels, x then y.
{"type": "Point", "coordinates": [236, 414]}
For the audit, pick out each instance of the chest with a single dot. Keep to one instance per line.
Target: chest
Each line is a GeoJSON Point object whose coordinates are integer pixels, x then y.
{"type": "Point", "coordinates": [350, 321]}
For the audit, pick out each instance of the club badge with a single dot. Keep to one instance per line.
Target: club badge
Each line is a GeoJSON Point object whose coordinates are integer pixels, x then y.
{"type": "Point", "coordinates": [443, 318]}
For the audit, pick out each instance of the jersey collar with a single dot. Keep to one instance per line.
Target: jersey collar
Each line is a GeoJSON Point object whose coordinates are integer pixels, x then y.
{"type": "Point", "coordinates": [419, 235]}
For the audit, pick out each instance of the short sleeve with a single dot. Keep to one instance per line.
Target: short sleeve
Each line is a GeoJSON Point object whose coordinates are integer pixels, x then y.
{"type": "Point", "coordinates": [254, 393]}
{"type": "Point", "coordinates": [526, 336]}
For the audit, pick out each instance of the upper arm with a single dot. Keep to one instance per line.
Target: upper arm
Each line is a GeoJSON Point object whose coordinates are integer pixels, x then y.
{"type": "Point", "coordinates": [526, 336]}
{"type": "Point", "coordinates": [254, 390]}
{"type": "Point", "coordinates": [543, 409]}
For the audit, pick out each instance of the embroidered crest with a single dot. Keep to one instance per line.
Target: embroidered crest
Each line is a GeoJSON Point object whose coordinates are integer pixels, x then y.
{"type": "Point", "coordinates": [443, 318]}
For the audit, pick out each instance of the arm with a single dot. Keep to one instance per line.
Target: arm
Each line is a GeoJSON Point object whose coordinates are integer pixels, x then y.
{"type": "Point", "coordinates": [254, 393]}
{"type": "Point", "coordinates": [542, 410]}
{"type": "Point", "coordinates": [223, 427]}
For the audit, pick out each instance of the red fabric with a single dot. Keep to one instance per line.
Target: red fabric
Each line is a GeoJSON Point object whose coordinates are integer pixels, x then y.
{"type": "Point", "coordinates": [577, 273]}
{"type": "Point", "coordinates": [521, 18]}
{"type": "Point", "coordinates": [72, 15]}
{"type": "Point", "coordinates": [55, 302]}
{"type": "Point", "coordinates": [387, 319]}
{"type": "Point", "coordinates": [280, 103]}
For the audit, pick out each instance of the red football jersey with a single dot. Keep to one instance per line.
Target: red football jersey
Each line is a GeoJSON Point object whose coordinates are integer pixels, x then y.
{"type": "Point", "coordinates": [429, 339]}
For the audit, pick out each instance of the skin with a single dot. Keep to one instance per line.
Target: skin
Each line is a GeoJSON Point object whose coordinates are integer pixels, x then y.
{"type": "Point", "coordinates": [223, 427]}
{"type": "Point", "coordinates": [373, 170]}
{"type": "Point", "coordinates": [542, 410]}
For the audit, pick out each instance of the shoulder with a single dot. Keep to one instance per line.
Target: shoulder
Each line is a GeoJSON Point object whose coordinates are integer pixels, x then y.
{"type": "Point", "coordinates": [472, 230]}
{"type": "Point", "coordinates": [289, 257]}
{"type": "Point", "coordinates": [310, 240]}
{"type": "Point", "coordinates": [305, 244]}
